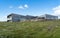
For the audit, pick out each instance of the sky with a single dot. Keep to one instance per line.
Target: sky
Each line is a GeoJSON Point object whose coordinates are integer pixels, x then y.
{"type": "Point", "coordinates": [29, 7]}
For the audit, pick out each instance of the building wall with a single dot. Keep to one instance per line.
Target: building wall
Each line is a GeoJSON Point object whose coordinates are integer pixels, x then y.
{"type": "Point", "coordinates": [50, 17]}
{"type": "Point", "coordinates": [18, 18]}
{"type": "Point", "coordinates": [9, 19]}
{"type": "Point", "coordinates": [47, 16]}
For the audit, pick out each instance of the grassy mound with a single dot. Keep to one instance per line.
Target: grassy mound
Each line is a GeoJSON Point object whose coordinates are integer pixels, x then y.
{"type": "Point", "coordinates": [45, 29]}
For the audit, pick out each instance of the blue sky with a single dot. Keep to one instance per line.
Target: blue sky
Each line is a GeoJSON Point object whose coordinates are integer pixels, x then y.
{"type": "Point", "coordinates": [29, 7]}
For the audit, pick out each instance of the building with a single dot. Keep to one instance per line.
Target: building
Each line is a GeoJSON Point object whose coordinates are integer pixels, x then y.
{"type": "Point", "coordinates": [49, 17]}
{"type": "Point", "coordinates": [17, 18]}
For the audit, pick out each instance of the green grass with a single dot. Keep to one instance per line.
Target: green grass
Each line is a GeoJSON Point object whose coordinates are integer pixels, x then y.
{"type": "Point", "coordinates": [43, 29]}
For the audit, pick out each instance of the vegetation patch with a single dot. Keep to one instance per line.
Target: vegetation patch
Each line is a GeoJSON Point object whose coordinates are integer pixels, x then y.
{"type": "Point", "coordinates": [39, 29]}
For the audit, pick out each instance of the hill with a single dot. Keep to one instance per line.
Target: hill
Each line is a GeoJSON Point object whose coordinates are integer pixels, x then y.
{"type": "Point", "coordinates": [43, 29]}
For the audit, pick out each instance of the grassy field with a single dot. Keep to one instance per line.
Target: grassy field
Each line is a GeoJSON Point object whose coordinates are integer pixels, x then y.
{"type": "Point", "coordinates": [43, 29]}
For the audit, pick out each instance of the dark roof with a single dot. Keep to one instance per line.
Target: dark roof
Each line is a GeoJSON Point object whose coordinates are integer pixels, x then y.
{"type": "Point", "coordinates": [14, 14]}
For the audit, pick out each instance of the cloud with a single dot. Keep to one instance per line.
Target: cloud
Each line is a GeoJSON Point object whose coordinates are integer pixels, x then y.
{"type": "Point", "coordinates": [3, 18]}
{"type": "Point", "coordinates": [56, 10]}
{"type": "Point", "coordinates": [26, 6]}
{"type": "Point", "coordinates": [23, 6]}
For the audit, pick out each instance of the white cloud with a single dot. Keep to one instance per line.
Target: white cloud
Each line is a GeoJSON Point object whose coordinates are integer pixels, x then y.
{"type": "Point", "coordinates": [26, 6]}
{"type": "Point", "coordinates": [23, 6]}
{"type": "Point", "coordinates": [3, 18]}
{"type": "Point", "coordinates": [56, 10]}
